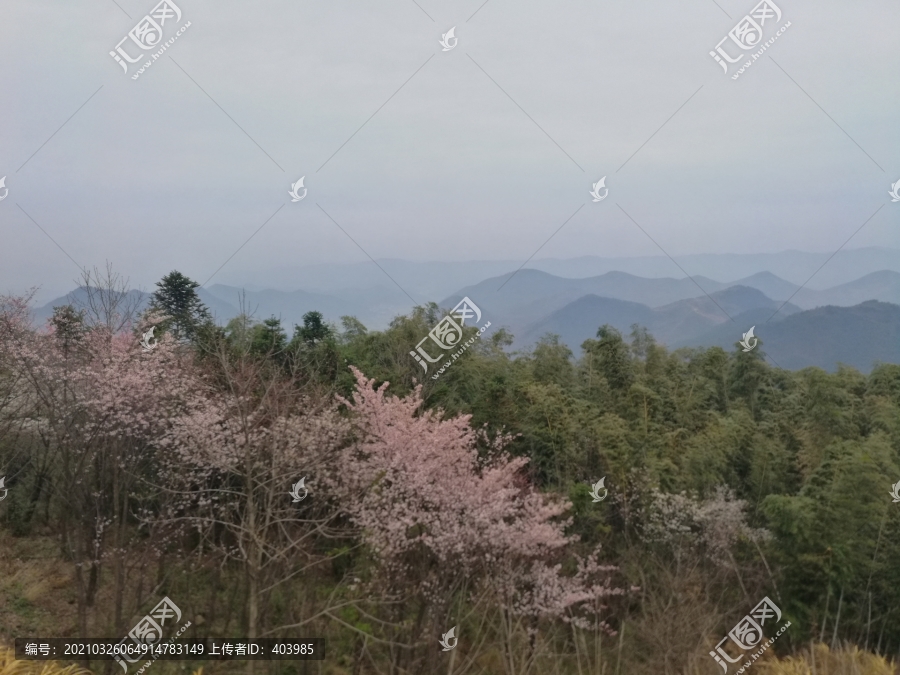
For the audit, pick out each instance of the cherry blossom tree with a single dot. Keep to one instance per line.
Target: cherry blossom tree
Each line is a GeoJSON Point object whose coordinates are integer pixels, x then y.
{"type": "Point", "coordinates": [95, 402]}
{"type": "Point", "coordinates": [447, 512]}
{"type": "Point", "coordinates": [229, 462]}
{"type": "Point", "coordinates": [16, 421]}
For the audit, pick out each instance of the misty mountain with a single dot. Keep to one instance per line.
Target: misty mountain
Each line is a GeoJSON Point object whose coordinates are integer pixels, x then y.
{"type": "Point", "coordinates": [857, 336]}
{"type": "Point", "coordinates": [772, 286]}
{"type": "Point", "coordinates": [374, 306]}
{"type": "Point", "coordinates": [432, 280]}
{"type": "Point", "coordinates": [676, 322]}
{"type": "Point", "coordinates": [424, 281]}
{"type": "Point", "coordinates": [365, 292]}
{"type": "Point", "coordinates": [531, 296]}
{"type": "Point", "coordinates": [221, 311]}
{"type": "Point", "coordinates": [883, 286]}
{"type": "Point", "coordinates": [794, 266]}
{"type": "Point", "coordinates": [79, 298]}
{"type": "Point", "coordinates": [533, 303]}
{"type": "Point", "coordinates": [518, 300]}
{"type": "Point", "coordinates": [673, 324]}
{"type": "Point", "coordinates": [578, 321]}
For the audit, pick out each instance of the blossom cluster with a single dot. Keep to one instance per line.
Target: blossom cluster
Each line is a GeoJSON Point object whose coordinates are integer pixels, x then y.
{"type": "Point", "coordinates": [432, 508]}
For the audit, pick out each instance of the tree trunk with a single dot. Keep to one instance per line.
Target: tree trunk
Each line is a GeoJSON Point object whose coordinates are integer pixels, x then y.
{"type": "Point", "coordinates": [82, 605]}
{"type": "Point", "coordinates": [213, 595]}
{"type": "Point", "coordinates": [837, 619]}
{"type": "Point", "coordinates": [119, 510]}
{"type": "Point", "coordinates": [254, 566]}
{"type": "Point", "coordinates": [93, 578]}
{"type": "Point", "coordinates": [825, 617]}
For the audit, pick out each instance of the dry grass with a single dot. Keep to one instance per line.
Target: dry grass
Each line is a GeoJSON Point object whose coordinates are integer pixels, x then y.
{"type": "Point", "coordinates": [820, 660]}
{"type": "Point", "coordinates": [9, 666]}
{"type": "Point", "coordinates": [35, 588]}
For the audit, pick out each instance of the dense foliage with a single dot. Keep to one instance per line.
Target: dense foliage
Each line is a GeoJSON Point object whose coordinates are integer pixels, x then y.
{"type": "Point", "coordinates": [458, 501]}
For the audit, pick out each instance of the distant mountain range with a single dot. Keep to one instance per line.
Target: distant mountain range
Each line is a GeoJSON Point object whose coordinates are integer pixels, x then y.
{"type": "Point", "coordinates": [432, 280]}
{"type": "Point", "coordinates": [857, 322]}
{"type": "Point", "coordinates": [675, 324]}
{"type": "Point", "coordinates": [858, 336]}
{"type": "Point", "coordinates": [850, 327]}
{"type": "Point", "coordinates": [521, 300]}
{"type": "Point", "coordinates": [221, 310]}
{"type": "Point", "coordinates": [884, 286]}
{"type": "Point", "coordinates": [375, 306]}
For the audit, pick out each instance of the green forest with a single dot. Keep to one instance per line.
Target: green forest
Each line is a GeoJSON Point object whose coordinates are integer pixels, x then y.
{"type": "Point", "coordinates": [135, 474]}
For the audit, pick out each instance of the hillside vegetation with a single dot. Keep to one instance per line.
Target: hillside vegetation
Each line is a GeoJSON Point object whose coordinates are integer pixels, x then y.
{"type": "Point", "coordinates": [463, 501]}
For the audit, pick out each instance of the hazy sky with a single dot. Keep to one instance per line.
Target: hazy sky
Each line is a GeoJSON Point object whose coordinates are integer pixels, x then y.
{"type": "Point", "coordinates": [479, 152]}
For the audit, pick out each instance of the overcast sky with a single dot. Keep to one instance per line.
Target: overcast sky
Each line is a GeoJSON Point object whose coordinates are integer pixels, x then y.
{"type": "Point", "coordinates": [479, 152]}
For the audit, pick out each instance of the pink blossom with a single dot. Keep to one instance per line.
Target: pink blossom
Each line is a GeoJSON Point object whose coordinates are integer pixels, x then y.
{"type": "Point", "coordinates": [432, 509]}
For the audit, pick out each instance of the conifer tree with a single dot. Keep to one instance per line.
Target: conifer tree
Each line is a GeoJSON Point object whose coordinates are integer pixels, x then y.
{"type": "Point", "coordinates": [177, 297]}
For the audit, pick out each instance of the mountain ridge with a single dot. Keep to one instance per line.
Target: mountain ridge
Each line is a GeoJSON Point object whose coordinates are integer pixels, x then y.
{"type": "Point", "coordinates": [675, 323]}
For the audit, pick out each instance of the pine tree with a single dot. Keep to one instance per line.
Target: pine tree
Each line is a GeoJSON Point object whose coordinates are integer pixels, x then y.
{"type": "Point", "coordinates": [313, 330]}
{"type": "Point", "coordinates": [177, 297]}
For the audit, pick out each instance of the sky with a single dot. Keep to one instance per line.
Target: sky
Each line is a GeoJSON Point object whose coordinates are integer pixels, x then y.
{"type": "Point", "coordinates": [485, 151]}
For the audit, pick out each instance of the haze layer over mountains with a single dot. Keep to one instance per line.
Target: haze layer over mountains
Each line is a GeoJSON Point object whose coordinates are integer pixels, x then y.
{"type": "Point", "coordinates": [855, 320]}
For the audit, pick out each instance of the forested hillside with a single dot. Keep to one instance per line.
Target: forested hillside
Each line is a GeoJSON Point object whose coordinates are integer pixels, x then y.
{"type": "Point", "coordinates": [463, 501]}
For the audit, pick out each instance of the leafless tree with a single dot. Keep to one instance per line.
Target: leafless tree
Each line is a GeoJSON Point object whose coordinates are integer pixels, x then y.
{"type": "Point", "coordinates": [109, 301]}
